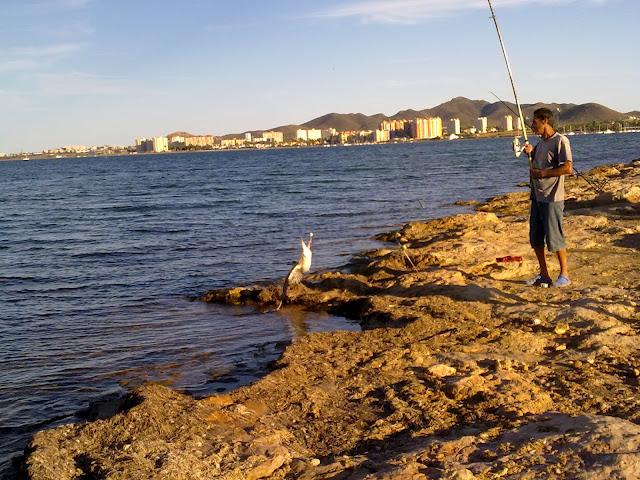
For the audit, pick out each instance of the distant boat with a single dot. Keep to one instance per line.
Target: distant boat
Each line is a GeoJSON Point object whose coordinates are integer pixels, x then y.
{"type": "Point", "coordinates": [453, 136]}
{"type": "Point", "coordinates": [25, 158]}
{"type": "Point", "coordinates": [608, 131]}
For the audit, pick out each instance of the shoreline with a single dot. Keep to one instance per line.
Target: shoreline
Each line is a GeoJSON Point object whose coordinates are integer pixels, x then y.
{"type": "Point", "coordinates": [490, 135]}
{"type": "Point", "coordinates": [460, 369]}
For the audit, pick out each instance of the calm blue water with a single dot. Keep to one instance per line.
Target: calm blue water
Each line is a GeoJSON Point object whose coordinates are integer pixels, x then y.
{"type": "Point", "coordinates": [98, 254]}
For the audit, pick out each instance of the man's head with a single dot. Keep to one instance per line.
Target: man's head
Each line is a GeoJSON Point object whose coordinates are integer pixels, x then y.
{"type": "Point", "coordinates": [542, 121]}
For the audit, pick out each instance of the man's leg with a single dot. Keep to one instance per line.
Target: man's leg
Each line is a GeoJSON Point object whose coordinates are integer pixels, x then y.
{"type": "Point", "coordinates": [542, 261]}
{"type": "Point", "coordinates": [562, 260]}
{"type": "Point", "coordinates": [537, 235]}
{"type": "Point", "coordinates": [555, 239]}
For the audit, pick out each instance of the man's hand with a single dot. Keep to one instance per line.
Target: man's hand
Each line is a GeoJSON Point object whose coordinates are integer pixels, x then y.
{"type": "Point", "coordinates": [537, 173]}
{"type": "Point", "coordinates": [528, 148]}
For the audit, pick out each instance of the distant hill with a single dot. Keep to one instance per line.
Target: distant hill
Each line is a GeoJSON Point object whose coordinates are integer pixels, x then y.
{"type": "Point", "coordinates": [590, 112]}
{"type": "Point", "coordinates": [348, 121]}
{"type": "Point", "coordinates": [180, 134]}
{"type": "Point", "coordinates": [466, 110]}
{"type": "Point", "coordinates": [463, 108]}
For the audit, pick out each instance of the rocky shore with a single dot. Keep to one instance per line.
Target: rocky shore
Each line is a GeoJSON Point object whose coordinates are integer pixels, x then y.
{"type": "Point", "coordinates": [461, 370]}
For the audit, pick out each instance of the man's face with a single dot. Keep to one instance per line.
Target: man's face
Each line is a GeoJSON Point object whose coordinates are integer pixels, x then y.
{"type": "Point", "coordinates": [537, 125]}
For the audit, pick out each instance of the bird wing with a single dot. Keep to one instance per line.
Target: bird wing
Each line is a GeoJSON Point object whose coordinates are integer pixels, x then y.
{"type": "Point", "coordinates": [295, 275]}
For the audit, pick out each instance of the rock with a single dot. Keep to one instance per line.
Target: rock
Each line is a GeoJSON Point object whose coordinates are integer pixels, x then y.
{"type": "Point", "coordinates": [267, 467]}
{"type": "Point", "coordinates": [465, 387]}
{"type": "Point", "coordinates": [459, 474]}
{"type": "Point", "coordinates": [440, 370]}
{"type": "Point", "coordinates": [631, 195]}
{"type": "Point", "coordinates": [561, 328]}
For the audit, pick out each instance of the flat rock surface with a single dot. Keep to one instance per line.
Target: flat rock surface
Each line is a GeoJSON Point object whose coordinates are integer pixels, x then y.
{"type": "Point", "coordinates": [461, 370]}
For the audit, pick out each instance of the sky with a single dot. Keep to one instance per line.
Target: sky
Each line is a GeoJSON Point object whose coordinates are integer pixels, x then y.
{"type": "Point", "coordinates": [96, 72]}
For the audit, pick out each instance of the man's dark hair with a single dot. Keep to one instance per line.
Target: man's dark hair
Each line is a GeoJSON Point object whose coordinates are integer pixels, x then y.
{"type": "Point", "coordinates": [544, 114]}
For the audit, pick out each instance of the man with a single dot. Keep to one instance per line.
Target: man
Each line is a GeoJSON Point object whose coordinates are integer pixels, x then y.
{"type": "Point", "coordinates": [550, 162]}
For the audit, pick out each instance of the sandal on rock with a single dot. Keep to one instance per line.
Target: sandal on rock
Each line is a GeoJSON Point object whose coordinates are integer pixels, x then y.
{"type": "Point", "coordinates": [539, 281]}
{"type": "Point", "coordinates": [562, 281]}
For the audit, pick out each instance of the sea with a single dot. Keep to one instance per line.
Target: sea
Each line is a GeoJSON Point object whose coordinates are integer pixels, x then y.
{"type": "Point", "coordinates": [99, 257]}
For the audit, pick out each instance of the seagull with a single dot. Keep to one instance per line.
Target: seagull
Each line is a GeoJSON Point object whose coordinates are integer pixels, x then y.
{"type": "Point", "coordinates": [299, 268]}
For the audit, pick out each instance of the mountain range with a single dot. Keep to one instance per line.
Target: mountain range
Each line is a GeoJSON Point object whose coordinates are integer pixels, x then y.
{"type": "Point", "coordinates": [463, 108]}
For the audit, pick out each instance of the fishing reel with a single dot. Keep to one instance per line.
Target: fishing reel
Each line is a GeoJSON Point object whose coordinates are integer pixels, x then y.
{"type": "Point", "coordinates": [517, 147]}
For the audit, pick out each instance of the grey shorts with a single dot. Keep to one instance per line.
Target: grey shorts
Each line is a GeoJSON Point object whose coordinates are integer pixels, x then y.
{"type": "Point", "coordinates": [545, 223]}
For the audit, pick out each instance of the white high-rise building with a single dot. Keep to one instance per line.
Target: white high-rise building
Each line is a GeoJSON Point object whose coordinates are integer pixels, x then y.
{"type": "Point", "coordinates": [160, 144]}
{"type": "Point", "coordinates": [381, 136]}
{"type": "Point", "coordinates": [273, 137]}
{"type": "Point", "coordinates": [309, 135]}
{"type": "Point", "coordinates": [454, 126]}
{"type": "Point", "coordinates": [482, 124]}
{"type": "Point", "coordinates": [314, 134]}
{"type": "Point", "coordinates": [327, 133]}
{"type": "Point", "coordinates": [247, 137]}
{"type": "Point", "coordinates": [508, 123]}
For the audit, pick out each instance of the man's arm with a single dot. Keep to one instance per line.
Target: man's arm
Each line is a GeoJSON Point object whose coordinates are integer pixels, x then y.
{"type": "Point", "coordinates": [564, 159]}
{"type": "Point", "coordinates": [565, 169]}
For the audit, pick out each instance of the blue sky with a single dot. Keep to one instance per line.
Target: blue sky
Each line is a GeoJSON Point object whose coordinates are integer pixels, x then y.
{"type": "Point", "coordinates": [95, 72]}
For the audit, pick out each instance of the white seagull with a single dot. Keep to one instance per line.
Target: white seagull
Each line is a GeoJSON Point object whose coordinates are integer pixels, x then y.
{"type": "Point", "coordinates": [301, 267]}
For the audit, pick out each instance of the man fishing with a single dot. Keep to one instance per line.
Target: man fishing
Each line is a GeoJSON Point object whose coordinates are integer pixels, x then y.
{"type": "Point", "coordinates": [551, 160]}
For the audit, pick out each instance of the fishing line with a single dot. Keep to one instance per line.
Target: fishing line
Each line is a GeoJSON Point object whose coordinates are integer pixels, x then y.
{"type": "Point", "coordinates": [513, 84]}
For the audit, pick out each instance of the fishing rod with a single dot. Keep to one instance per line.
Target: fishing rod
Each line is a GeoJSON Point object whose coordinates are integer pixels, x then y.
{"type": "Point", "coordinates": [513, 84]}
{"type": "Point", "coordinates": [598, 186]}
{"type": "Point", "coordinates": [506, 105]}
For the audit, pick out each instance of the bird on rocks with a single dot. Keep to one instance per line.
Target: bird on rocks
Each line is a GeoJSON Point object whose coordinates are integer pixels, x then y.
{"type": "Point", "coordinates": [298, 270]}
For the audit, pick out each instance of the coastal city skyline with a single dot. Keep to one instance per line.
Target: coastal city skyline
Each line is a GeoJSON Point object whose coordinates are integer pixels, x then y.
{"type": "Point", "coordinates": [466, 119]}
{"type": "Point", "coordinates": [409, 125]}
{"type": "Point", "coordinates": [100, 77]}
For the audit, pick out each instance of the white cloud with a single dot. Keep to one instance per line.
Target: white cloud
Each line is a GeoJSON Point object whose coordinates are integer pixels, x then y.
{"type": "Point", "coordinates": [78, 83]}
{"type": "Point", "coordinates": [417, 11]}
{"type": "Point", "coordinates": [43, 52]}
{"type": "Point", "coordinates": [31, 58]}
{"type": "Point", "coordinates": [17, 65]}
